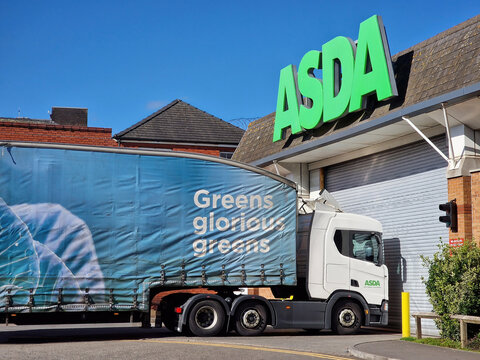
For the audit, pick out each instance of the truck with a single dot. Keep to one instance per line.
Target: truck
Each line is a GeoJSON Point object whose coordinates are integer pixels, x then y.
{"type": "Point", "coordinates": [102, 234]}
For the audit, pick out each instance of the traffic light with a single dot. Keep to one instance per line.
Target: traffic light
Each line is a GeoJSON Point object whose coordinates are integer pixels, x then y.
{"type": "Point", "coordinates": [450, 217]}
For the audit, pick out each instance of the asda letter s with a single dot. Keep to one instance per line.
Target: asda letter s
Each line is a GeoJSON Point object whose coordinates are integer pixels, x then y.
{"type": "Point", "coordinates": [351, 72]}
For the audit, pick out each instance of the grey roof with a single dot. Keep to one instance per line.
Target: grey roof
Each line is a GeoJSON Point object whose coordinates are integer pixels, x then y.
{"type": "Point", "coordinates": [442, 64]}
{"type": "Point", "coordinates": [181, 122]}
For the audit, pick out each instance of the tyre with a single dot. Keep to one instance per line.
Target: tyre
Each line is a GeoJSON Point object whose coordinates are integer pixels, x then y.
{"type": "Point", "coordinates": [346, 318]}
{"type": "Point", "coordinates": [250, 318]}
{"type": "Point", "coordinates": [207, 318]}
{"type": "Point", "coordinates": [169, 323]}
{"type": "Point", "coordinates": [168, 317]}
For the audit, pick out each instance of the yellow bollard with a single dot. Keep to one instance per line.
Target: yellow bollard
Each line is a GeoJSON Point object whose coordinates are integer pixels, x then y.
{"type": "Point", "coordinates": [405, 314]}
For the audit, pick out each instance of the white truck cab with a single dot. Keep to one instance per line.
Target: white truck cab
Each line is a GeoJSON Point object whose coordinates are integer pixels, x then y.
{"type": "Point", "coordinates": [340, 266]}
{"type": "Point", "coordinates": [346, 253]}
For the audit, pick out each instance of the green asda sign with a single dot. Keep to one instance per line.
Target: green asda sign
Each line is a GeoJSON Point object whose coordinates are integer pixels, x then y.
{"type": "Point", "coordinates": [351, 72]}
{"type": "Point", "coordinates": [372, 283]}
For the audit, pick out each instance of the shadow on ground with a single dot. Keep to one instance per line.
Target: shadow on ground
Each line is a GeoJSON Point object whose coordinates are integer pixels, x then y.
{"type": "Point", "coordinates": [50, 334]}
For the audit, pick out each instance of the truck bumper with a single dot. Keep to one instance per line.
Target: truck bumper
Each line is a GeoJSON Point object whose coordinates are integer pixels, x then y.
{"type": "Point", "coordinates": [379, 315]}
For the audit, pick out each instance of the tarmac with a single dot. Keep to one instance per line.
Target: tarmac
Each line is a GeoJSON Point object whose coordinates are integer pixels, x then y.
{"type": "Point", "coordinates": [406, 350]}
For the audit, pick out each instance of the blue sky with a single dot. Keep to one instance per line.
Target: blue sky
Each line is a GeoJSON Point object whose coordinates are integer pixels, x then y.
{"type": "Point", "coordinates": [123, 60]}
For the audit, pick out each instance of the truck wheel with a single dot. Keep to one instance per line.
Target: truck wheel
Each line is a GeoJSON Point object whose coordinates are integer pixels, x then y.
{"type": "Point", "coordinates": [167, 316]}
{"type": "Point", "coordinates": [207, 318]}
{"type": "Point", "coordinates": [169, 322]}
{"type": "Point", "coordinates": [250, 318]}
{"type": "Point", "coordinates": [347, 318]}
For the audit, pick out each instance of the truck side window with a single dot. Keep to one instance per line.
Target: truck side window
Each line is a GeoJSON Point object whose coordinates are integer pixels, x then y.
{"type": "Point", "coordinates": [341, 240]}
{"type": "Point", "coordinates": [365, 247]}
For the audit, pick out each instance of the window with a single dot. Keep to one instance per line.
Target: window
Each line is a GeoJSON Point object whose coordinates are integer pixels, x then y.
{"type": "Point", "coordinates": [359, 245]}
{"type": "Point", "coordinates": [365, 246]}
{"type": "Point", "coordinates": [341, 239]}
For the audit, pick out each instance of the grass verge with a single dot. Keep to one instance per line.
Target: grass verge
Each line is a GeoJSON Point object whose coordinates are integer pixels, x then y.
{"type": "Point", "coordinates": [453, 344]}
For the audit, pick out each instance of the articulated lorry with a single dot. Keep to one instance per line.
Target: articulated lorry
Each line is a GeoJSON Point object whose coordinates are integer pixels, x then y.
{"type": "Point", "coordinates": [96, 234]}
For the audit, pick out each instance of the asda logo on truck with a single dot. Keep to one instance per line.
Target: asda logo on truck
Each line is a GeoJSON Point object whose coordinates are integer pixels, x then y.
{"type": "Point", "coordinates": [372, 283]}
{"type": "Point", "coordinates": [351, 72]}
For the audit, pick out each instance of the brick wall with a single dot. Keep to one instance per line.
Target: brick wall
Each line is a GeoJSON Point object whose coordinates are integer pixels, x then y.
{"type": "Point", "coordinates": [207, 150]}
{"type": "Point", "coordinates": [475, 189]}
{"type": "Point", "coordinates": [460, 188]}
{"type": "Point", "coordinates": [48, 133]}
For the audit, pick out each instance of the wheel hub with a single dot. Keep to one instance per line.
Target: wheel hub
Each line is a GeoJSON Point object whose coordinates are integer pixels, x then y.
{"type": "Point", "coordinates": [347, 317]}
{"type": "Point", "coordinates": [206, 317]}
{"type": "Point", "coordinates": [251, 319]}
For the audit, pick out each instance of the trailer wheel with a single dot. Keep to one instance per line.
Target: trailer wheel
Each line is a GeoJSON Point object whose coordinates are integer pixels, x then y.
{"type": "Point", "coordinates": [250, 318]}
{"type": "Point", "coordinates": [346, 318]}
{"type": "Point", "coordinates": [169, 322]}
{"type": "Point", "coordinates": [167, 315]}
{"type": "Point", "coordinates": [207, 318]}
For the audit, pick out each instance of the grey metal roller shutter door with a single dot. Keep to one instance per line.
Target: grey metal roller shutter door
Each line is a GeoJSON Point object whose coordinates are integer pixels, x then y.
{"type": "Point", "coordinates": [401, 188]}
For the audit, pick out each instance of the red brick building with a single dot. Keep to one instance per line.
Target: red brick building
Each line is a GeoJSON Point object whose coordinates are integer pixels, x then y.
{"type": "Point", "coordinates": [179, 126]}
{"type": "Point", "coordinates": [66, 126]}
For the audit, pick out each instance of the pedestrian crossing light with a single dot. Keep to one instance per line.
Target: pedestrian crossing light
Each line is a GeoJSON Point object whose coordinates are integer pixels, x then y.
{"type": "Point", "coordinates": [450, 217]}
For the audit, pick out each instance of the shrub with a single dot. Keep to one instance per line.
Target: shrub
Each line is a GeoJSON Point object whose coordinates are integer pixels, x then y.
{"type": "Point", "coordinates": [453, 286]}
{"type": "Point", "coordinates": [474, 343]}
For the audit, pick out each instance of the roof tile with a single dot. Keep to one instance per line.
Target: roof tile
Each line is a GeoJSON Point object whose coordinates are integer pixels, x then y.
{"type": "Point", "coordinates": [182, 123]}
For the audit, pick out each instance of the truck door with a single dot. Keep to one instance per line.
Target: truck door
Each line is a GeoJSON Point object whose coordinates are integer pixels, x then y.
{"type": "Point", "coordinates": [367, 274]}
{"type": "Point", "coordinates": [337, 262]}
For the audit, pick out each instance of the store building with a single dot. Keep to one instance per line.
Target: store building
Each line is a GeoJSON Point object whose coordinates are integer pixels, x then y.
{"type": "Point", "coordinates": [65, 126]}
{"type": "Point", "coordinates": [375, 162]}
{"type": "Point", "coordinates": [180, 126]}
